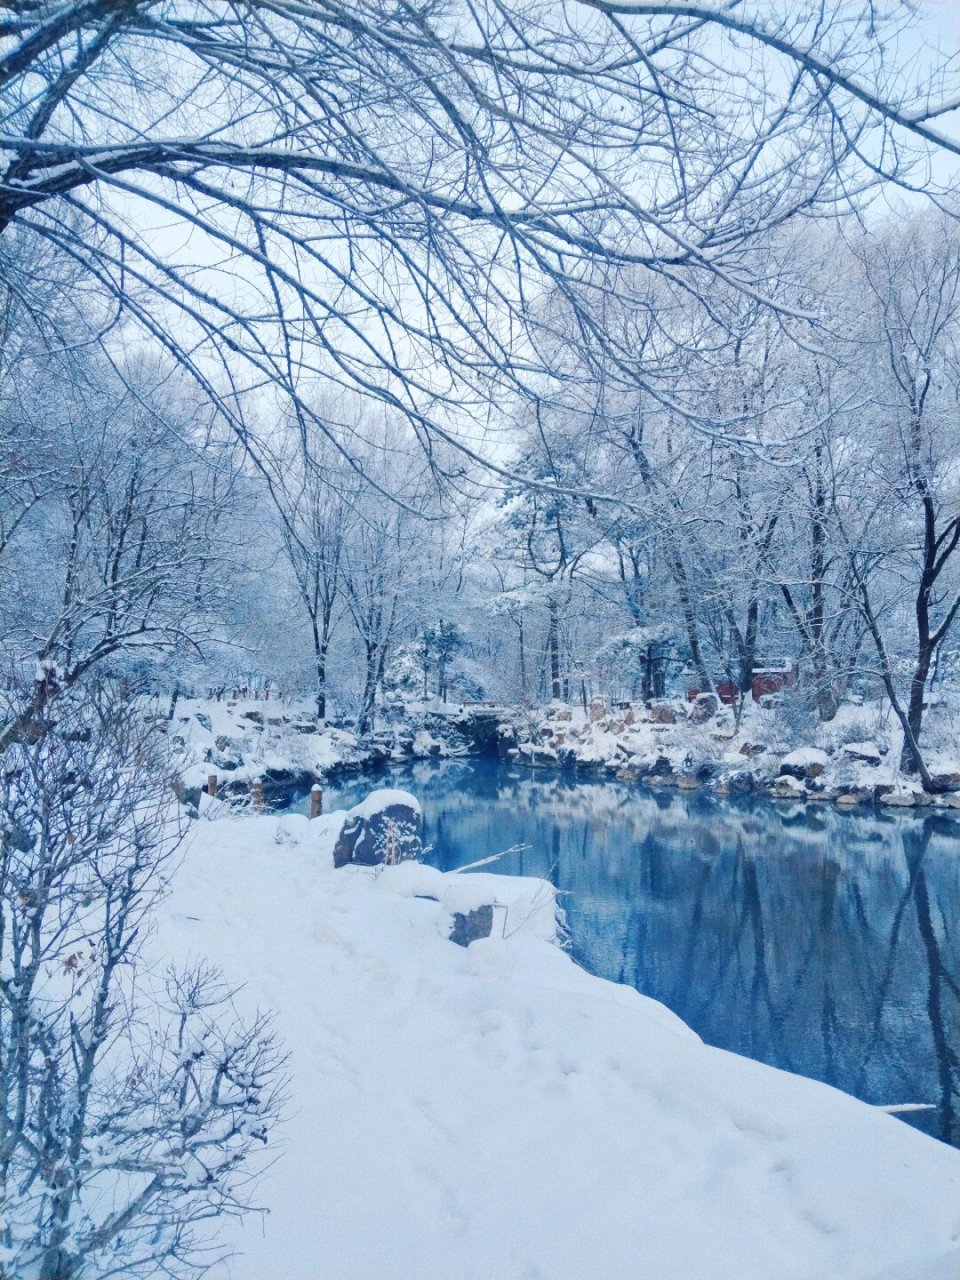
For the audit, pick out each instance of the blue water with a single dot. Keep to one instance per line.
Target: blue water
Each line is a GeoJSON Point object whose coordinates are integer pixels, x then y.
{"type": "Point", "coordinates": [823, 942]}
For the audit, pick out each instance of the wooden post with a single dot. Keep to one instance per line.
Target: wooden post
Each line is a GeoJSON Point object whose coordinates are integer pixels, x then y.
{"type": "Point", "coordinates": [212, 785]}
{"type": "Point", "coordinates": [316, 800]}
{"type": "Point", "coordinates": [257, 791]}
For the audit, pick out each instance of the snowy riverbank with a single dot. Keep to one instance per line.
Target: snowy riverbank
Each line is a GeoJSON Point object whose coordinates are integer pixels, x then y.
{"type": "Point", "coordinates": [852, 760]}
{"type": "Point", "coordinates": [494, 1111]}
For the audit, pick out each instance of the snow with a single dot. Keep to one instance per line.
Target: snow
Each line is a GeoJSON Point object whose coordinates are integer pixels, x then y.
{"type": "Point", "coordinates": [805, 757]}
{"type": "Point", "coordinates": [495, 1111]}
{"type": "Point", "coordinates": [382, 799]}
{"type": "Point", "coordinates": [863, 751]}
{"type": "Point", "coordinates": [259, 736]}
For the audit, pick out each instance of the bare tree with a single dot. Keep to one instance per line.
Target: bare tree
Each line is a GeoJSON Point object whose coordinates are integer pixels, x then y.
{"type": "Point", "coordinates": [914, 274]}
{"type": "Point", "coordinates": [314, 496]}
{"type": "Point", "coordinates": [398, 178]}
{"type": "Point", "coordinates": [117, 558]}
{"type": "Point", "coordinates": [380, 568]}
{"type": "Point", "coordinates": [130, 1108]}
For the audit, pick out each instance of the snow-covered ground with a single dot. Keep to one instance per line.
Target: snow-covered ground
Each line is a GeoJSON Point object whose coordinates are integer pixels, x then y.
{"type": "Point", "coordinates": [495, 1112]}
{"type": "Point", "coordinates": [243, 739]}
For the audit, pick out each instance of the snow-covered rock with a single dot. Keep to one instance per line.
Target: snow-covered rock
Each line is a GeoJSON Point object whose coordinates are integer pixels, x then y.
{"type": "Point", "coordinates": [534, 754]}
{"type": "Point", "coordinates": [807, 762]}
{"type": "Point", "coordinates": [868, 752]}
{"type": "Point", "coordinates": [385, 827]}
{"type": "Point", "coordinates": [703, 708]}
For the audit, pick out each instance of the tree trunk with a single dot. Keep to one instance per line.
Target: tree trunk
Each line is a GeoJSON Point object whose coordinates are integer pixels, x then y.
{"type": "Point", "coordinates": [748, 655]}
{"type": "Point", "coordinates": [704, 682]}
{"type": "Point", "coordinates": [320, 645]}
{"type": "Point", "coordinates": [911, 748]}
{"type": "Point", "coordinates": [918, 688]}
{"type": "Point", "coordinates": [368, 701]}
{"type": "Point", "coordinates": [523, 659]}
{"type": "Point", "coordinates": [925, 642]}
{"type": "Point", "coordinates": [553, 643]}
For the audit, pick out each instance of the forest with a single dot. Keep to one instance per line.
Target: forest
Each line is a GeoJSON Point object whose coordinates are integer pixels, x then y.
{"type": "Point", "coordinates": [559, 361]}
{"type": "Point", "coordinates": [704, 486]}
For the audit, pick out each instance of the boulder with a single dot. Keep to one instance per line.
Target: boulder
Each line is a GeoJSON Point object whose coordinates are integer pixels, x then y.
{"type": "Point", "coordinates": [385, 828]}
{"type": "Point", "coordinates": [866, 752]}
{"type": "Point", "coordinates": [898, 799]}
{"type": "Point", "coordinates": [704, 707]}
{"type": "Point", "coordinates": [787, 787]}
{"type": "Point", "coordinates": [942, 782]}
{"type": "Point", "coordinates": [231, 748]}
{"type": "Point", "coordinates": [540, 757]}
{"type": "Point", "coordinates": [662, 713]}
{"type": "Point", "coordinates": [469, 926]}
{"type": "Point", "coordinates": [857, 795]}
{"type": "Point", "coordinates": [808, 762]}
{"type": "Point", "coordinates": [224, 761]}
{"type": "Point", "coordinates": [752, 749]}
{"type": "Point", "coordinates": [741, 784]}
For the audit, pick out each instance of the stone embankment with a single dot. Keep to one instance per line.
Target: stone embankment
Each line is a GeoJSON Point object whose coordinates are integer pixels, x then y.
{"type": "Point", "coordinates": [272, 751]}
{"type": "Point", "coordinates": [698, 745]}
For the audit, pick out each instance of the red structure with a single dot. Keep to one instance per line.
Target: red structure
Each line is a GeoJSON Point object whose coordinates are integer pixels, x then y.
{"type": "Point", "coordinates": [772, 679]}
{"type": "Point", "coordinates": [766, 680]}
{"type": "Point", "coordinates": [727, 691]}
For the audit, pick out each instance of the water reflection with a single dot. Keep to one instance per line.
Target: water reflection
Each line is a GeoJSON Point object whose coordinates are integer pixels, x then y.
{"type": "Point", "coordinates": [819, 941]}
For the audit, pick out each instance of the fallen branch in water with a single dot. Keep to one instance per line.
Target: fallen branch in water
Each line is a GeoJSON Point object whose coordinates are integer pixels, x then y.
{"type": "Point", "coordinates": [494, 857]}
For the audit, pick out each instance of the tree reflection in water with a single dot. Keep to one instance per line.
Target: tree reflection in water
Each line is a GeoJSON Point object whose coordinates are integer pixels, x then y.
{"type": "Point", "coordinates": [819, 941]}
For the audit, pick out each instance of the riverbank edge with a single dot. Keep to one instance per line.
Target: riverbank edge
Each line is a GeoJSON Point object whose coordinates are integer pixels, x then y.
{"type": "Point", "coordinates": [238, 745]}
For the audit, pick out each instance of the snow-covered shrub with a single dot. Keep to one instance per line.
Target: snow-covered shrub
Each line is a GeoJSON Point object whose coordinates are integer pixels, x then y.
{"type": "Point", "coordinates": [130, 1102]}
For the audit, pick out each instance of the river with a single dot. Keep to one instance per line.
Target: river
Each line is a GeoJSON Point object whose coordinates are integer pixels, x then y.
{"type": "Point", "coordinates": [820, 941]}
